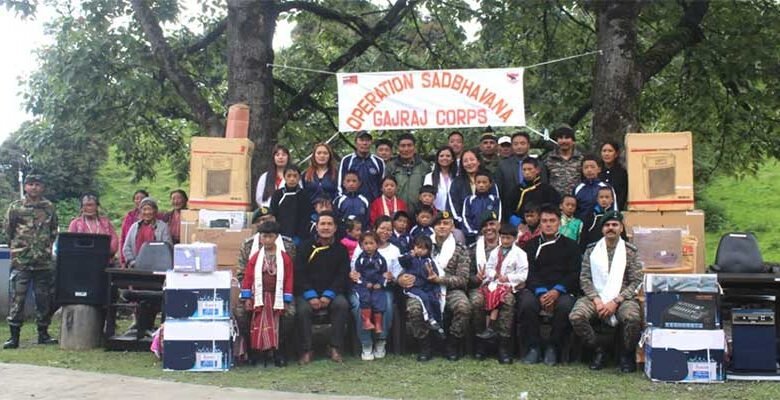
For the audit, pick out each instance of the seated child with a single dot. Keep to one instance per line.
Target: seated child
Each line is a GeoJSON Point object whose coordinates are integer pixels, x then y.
{"type": "Point", "coordinates": [571, 226]}
{"type": "Point", "coordinates": [387, 203]}
{"type": "Point", "coordinates": [401, 237]}
{"type": "Point", "coordinates": [372, 268]}
{"type": "Point", "coordinates": [530, 229]}
{"type": "Point", "coordinates": [420, 264]}
{"type": "Point", "coordinates": [291, 206]}
{"type": "Point", "coordinates": [587, 191]}
{"type": "Point", "coordinates": [477, 204]}
{"type": "Point", "coordinates": [353, 229]}
{"type": "Point", "coordinates": [424, 221]}
{"type": "Point", "coordinates": [351, 202]}
{"type": "Point", "coordinates": [505, 272]}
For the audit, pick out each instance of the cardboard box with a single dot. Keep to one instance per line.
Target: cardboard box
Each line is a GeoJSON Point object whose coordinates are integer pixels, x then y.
{"type": "Point", "coordinates": [222, 219]}
{"type": "Point", "coordinates": [690, 221]}
{"type": "Point", "coordinates": [197, 346]}
{"type": "Point", "coordinates": [659, 247]}
{"type": "Point", "coordinates": [237, 122]}
{"type": "Point", "coordinates": [220, 173]}
{"type": "Point", "coordinates": [196, 296]}
{"type": "Point", "coordinates": [228, 241]}
{"type": "Point", "coordinates": [660, 171]}
{"type": "Point", "coordinates": [686, 356]}
{"type": "Point", "coordinates": [682, 301]}
{"type": "Point", "coordinates": [195, 257]}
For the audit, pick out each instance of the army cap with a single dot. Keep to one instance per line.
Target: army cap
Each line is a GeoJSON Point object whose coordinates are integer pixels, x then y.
{"type": "Point", "coordinates": [33, 178]}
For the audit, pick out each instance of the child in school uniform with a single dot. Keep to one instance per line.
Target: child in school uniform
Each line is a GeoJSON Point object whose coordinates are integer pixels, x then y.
{"type": "Point", "coordinates": [571, 226]}
{"type": "Point", "coordinates": [587, 190]}
{"type": "Point", "coordinates": [591, 225]}
{"type": "Point", "coordinates": [420, 264]}
{"type": "Point", "coordinates": [353, 229]}
{"type": "Point", "coordinates": [424, 220]}
{"type": "Point", "coordinates": [372, 268]}
{"type": "Point", "coordinates": [291, 206]}
{"type": "Point", "coordinates": [387, 203]}
{"type": "Point", "coordinates": [351, 203]}
{"type": "Point", "coordinates": [321, 204]}
{"type": "Point", "coordinates": [477, 204]}
{"type": "Point", "coordinates": [530, 229]}
{"type": "Point", "coordinates": [401, 237]}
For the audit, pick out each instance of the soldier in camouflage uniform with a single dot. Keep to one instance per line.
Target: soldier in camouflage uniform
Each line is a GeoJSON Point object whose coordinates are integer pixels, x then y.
{"type": "Point", "coordinates": [564, 164]}
{"type": "Point", "coordinates": [622, 309]}
{"type": "Point", "coordinates": [261, 215]}
{"type": "Point", "coordinates": [31, 228]}
{"type": "Point", "coordinates": [506, 312]}
{"type": "Point", "coordinates": [455, 279]}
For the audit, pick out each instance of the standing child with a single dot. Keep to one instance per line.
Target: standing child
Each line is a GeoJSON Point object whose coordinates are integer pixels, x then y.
{"type": "Point", "coordinates": [505, 272]}
{"type": "Point", "coordinates": [424, 220]}
{"type": "Point", "coordinates": [269, 279]}
{"type": "Point", "coordinates": [388, 203]}
{"type": "Point", "coordinates": [321, 204]}
{"type": "Point", "coordinates": [530, 229]}
{"type": "Point", "coordinates": [587, 191]}
{"type": "Point", "coordinates": [571, 226]}
{"type": "Point", "coordinates": [530, 190]}
{"type": "Point", "coordinates": [427, 197]}
{"type": "Point", "coordinates": [591, 225]}
{"type": "Point", "coordinates": [291, 207]}
{"type": "Point", "coordinates": [420, 264]}
{"type": "Point", "coordinates": [478, 203]}
{"type": "Point", "coordinates": [354, 229]}
{"type": "Point", "coordinates": [351, 203]}
{"type": "Point", "coordinates": [401, 237]}
{"type": "Point", "coordinates": [372, 268]}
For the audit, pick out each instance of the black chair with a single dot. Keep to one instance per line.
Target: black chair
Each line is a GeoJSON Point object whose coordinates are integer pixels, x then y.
{"type": "Point", "coordinates": [738, 252]}
{"type": "Point", "coordinates": [155, 256]}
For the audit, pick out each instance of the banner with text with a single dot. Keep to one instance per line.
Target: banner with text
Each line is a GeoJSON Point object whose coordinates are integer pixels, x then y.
{"type": "Point", "coordinates": [457, 98]}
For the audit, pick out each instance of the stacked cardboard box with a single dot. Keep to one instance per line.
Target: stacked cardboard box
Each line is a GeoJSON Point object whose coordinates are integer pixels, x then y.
{"type": "Point", "coordinates": [220, 172]}
{"type": "Point", "coordinates": [660, 197]}
{"type": "Point", "coordinates": [684, 340]}
{"type": "Point", "coordinates": [197, 335]}
{"type": "Point", "coordinates": [195, 228]}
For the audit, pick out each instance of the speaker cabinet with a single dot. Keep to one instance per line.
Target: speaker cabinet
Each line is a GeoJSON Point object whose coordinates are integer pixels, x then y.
{"type": "Point", "coordinates": [81, 263]}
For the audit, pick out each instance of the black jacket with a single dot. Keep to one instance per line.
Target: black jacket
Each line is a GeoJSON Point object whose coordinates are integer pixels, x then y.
{"type": "Point", "coordinates": [507, 177]}
{"type": "Point", "coordinates": [554, 264]}
{"type": "Point", "coordinates": [321, 270]}
{"type": "Point", "coordinates": [292, 210]}
{"type": "Point", "coordinates": [538, 193]}
{"type": "Point", "coordinates": [617, 177]}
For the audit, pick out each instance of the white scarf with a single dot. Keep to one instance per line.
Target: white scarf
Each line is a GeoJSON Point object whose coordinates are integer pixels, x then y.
{"type": "Point", "coordinates": [608, 281]}
{"type": "Point", "coordinates": [258, 284]}
{"type": "Point", "coordinates": [256, 244]}
{"type": "Point", "coordinates": [384, 206]}
{"type": "Point", "coordinates": [442, 260]}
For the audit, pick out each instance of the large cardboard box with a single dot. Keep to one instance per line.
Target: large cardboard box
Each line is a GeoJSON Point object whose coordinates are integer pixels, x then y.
{"type": "Point", "coordinates": [220, 173]}
{"type": "Point", "coordinates": [197, 345]}
{"type": "Point", "coordinates": [660, 171]}
{"type": "Point", "coordinates": [690, 221]}
{"type": "Point", "coordinates": [687, 356]}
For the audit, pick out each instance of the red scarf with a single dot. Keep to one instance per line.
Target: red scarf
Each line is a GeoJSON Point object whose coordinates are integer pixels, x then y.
{"type": "Point", "coordinates": [145, 234]}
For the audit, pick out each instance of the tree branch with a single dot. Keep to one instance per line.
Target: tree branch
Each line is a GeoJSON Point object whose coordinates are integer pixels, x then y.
{"type": "Point", "coordinates": [167, 60]}
{"type": "Point", "coordinates": [356, 24]}
{"type": "Point", "coordinates": [388, 22]}
{"type": "Point", "coordinates": [207, 39]}
{"type": "Point", "coordinates": [310, 102]}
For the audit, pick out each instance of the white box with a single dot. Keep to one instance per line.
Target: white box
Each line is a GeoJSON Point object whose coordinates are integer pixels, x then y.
{"type": "Point", "coordinates": [197, 346]}
{"type": "Point", "coordinates": [234, 220]}
{"type": "Point", "coordinates": [195, 257]}
{"type": "Point", "coordinates": [688, 356]}
{"type": "Point", "coordinates": [194, 296]}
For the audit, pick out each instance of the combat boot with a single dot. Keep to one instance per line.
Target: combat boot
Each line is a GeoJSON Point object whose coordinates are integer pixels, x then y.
{"type": "Point", "coordinates": [453, 348]}
{"type": "Point", "coordinates": [43, 336]}
{"type": "Point", "coordinates": [13, 342]}
{"type": "Point", "coordinates": [504, 354]}
{"type": "Point", "coordinates": [425, 349]}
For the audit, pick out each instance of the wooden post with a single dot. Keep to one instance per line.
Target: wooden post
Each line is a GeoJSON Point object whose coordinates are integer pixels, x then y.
{"type": "Point", "coordinates": [82, 327]}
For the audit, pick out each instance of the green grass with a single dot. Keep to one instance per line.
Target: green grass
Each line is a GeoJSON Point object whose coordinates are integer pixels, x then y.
{"type": "Point", "coordinates": [398, 377]}
{"type": "Point", "coordinates": [749, 205]}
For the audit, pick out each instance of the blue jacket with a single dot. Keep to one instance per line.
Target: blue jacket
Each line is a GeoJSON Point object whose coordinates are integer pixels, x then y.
{"type": "Point", "coordinates": [371, 170]}
{"type": "Point", "coordinates": [371, 268]}
{"type": "Point", "coordinates": [476, 205]}
{"type": "Point", "coordinates": [352, 204]}
{"type": "Point", "coordinates": [417, 266]}
{"type": "Point", "coordinates": [587, 197]}
{"type": "Point", "coordinates": [459, 191]}
{"type": "Point", "coordinates": [418, 230]}
{"type": "Point", "coordinates": [403, 242]}
{"type": "Point", "coordinates": [325, 187]}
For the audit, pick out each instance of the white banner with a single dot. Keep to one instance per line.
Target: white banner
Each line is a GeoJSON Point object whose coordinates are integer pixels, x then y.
{"type": "Point", "coordinates": [456, 98]}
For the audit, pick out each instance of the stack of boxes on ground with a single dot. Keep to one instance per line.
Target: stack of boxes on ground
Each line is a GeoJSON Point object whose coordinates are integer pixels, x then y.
{"type": "Point", "coordinates": [684, 340]}
{"type": "Point", "coordinates": [197, 334]}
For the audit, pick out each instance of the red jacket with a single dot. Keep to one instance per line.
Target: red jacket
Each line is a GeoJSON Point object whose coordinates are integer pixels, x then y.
{"type": "Point", "coordinates": [376, 210]}
{"type": "Point", "coordinates": [249, 275]}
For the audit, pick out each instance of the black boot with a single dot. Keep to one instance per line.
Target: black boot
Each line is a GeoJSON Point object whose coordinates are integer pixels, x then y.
{"type": "Point", "coordinates": [599, 359]}
{"type": "Point", "coordinates": [425, 349]}
{"type": "Point", "coordinates": [13, 342]}
{"type": "Point", "coordinates": [532, 356]}
{"type": "Point", "coordinates": [453, 348]}
{"type": "Point", "coordinates": [43, 336]}
{"type": "Point", "coordinates": [479, 350]}
{"type": "Point", "coordinates": [504, 354]}
{"type": "Point", "coordinates": [628, 361]}
{"type": "Point", "coordinates": [280, 358]}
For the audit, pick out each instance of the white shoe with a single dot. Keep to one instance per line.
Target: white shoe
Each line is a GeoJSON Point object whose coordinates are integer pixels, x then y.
{"type": "Point", "coordinates": [379, 349]}
{"type": "Point", "coordinates": [367, 354]}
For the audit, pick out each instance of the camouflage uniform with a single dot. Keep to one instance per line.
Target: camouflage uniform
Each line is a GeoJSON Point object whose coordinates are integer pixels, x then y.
{"type": "Point", "coordinates": [628, 313]}
{"type": "Point", "coordinates": [562, 174]}
{"type": "Point", "coordinates": [31, 228]}
{"type": "Point", "coordinates": [506, 312]}
{"type": "Point", "coordinates": [456, 278]}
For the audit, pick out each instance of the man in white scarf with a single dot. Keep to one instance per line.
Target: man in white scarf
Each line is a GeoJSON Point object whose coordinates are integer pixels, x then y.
{"type": "Point", "coordinates": [452, 273]}
{"type": "Point", "coordinates": [610, 276]}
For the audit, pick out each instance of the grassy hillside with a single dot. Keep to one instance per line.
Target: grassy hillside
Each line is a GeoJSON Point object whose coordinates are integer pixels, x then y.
{"type": "Point", "coordinates": [748, 204]}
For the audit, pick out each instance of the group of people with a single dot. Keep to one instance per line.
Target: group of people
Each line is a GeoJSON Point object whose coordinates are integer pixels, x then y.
{"type": "Point", "coordinates": [469, 244]}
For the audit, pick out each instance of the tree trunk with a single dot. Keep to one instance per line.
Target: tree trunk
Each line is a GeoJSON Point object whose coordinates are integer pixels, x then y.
{"type": "Point", "coordinates": [618, 81]}
{"type": "Point", "coordinates": [250, 34]}
{"type": "Point", "coordinates": [82, 327]}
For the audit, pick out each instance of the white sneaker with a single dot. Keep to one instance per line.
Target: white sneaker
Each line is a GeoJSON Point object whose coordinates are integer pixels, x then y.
{"type": "Point", "coordinates": [379, 349]}
{"type": "Point", "coordinates": [367, 354]}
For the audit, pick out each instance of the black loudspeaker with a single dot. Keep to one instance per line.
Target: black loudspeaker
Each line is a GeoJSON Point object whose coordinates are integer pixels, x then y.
{"type": "Point", "coordinates": [82, 260]}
